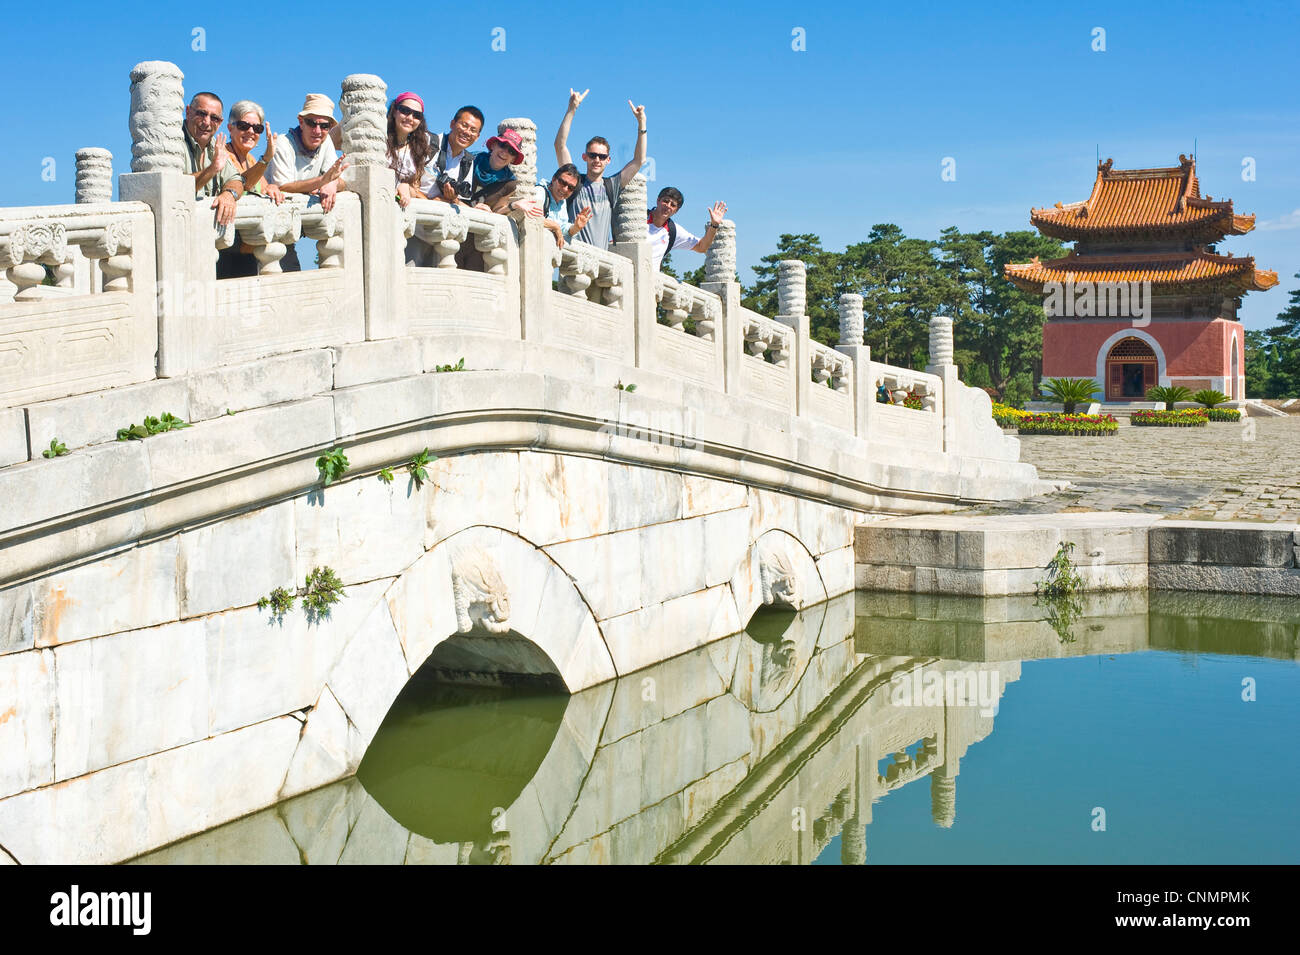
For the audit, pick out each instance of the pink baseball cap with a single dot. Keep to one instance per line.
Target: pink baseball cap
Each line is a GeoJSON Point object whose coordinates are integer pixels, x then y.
{"type": "Point", "coordinates": [511, 139]}
{"type": "Point", "coordinates": [409, 95]}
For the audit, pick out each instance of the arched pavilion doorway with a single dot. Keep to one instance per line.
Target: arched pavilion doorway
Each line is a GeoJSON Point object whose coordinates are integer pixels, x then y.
{"type": "Point", "coordinates": [1130, 370]}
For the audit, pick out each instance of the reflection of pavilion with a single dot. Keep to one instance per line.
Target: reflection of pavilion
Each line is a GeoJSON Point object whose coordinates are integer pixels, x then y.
{"type": "Point", "coordinates": [760, 748]}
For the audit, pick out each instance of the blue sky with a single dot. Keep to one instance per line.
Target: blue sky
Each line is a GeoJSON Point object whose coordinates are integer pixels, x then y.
{"type": "Point", "coordinates": [850, 131]}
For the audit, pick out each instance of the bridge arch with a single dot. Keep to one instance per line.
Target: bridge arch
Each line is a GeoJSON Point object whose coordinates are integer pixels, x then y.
{"type": "Point", "coordinates": [481, 582]}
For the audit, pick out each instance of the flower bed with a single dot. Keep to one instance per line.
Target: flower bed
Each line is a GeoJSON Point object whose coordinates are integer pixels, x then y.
{"type": "Point", "coordinates": [1183, 418]}
{"type": "Point", "coordinates": [1007, 416]}
{"type": "Point", "coordinates": [1075, 425]}
{"type": "Point", "coordinates": [1224, 414]}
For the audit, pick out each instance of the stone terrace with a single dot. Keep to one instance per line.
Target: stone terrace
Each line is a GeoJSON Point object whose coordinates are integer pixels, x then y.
{"type": "Point", "coordinates": [1246, 472]}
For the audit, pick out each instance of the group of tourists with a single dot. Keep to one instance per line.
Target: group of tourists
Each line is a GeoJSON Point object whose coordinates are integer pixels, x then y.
{"type": "Point", "coordinates": [573, 206]}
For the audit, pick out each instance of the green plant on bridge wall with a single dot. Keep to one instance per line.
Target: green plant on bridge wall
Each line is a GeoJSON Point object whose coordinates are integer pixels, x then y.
{"type": "Point", "coordinates": [1059, 591]}
{"type": "Point", "coordinates": [321, 589]}
{"type": "Point", "coordinates": [332, 465]}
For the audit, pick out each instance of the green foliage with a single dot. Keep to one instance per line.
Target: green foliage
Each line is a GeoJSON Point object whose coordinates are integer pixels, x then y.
{"type": "Point", "coordinates": [622, 387]}
{"type": "Point", "coordinates": [1070, 391]}
{"type": "Point", "coordinates": [280, 601]}
{"type": "Point", "coordinates": [386, 475]}
{"type": "Point", "coordinates": [1224, 414]}
{"type": "Point", "coordinates": [1059, 591]}
{"type": "Point", "coordinates": [332, 465]}
{"type": "Point", "coordinates": [1185, 418]}
{"type": "Point", "coordinates": [1279, 354]}
{"type": "Point", "coordinates": [1208, 398]}
{"type": "Point", "coordinates": [416, 467]}
{"type": "Point", "coordinates": [56, 449]}
{"type": "Point", "coordinates": [321, 590]}
{"type": "Point", "coordinates": [151, 426]}
{"type": "Point", "coordinates": [1169, 395]}
{"type": "Point", "coordinates": [1075, 425]}
{"type": "Point", "coordinates": [459, 366]}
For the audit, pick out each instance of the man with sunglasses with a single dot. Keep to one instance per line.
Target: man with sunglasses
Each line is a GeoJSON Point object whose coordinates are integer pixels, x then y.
{"type": "Point", "coordinates": [305, 161]}
{"type": "Point", "coordinates": [553, 198]}
{"type": "Point", "coordinates": [206, 158]}
{"type": "Point", "coordinates": [596, 189]}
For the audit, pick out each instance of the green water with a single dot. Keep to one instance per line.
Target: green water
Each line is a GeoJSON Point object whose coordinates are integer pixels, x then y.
{"type": "Point", "coordinates": [874, 728]}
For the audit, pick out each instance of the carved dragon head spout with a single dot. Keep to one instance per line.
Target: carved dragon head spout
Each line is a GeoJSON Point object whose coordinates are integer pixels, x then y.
{"type": "Point", "coordinates": [482, 600]}
{"type": "Point", "coordinates": [777, 577]}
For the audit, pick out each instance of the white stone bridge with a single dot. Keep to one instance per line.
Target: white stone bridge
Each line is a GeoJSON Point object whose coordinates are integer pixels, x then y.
{"type": "Point", "coordinates": [570, 528]}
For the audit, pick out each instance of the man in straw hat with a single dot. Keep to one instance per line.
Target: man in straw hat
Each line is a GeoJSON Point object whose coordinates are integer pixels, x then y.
{"type": "Point", "coordinates": [305, 160]}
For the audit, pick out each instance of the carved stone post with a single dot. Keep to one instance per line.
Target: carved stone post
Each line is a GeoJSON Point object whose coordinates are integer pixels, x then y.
{"type": "Point", "coordinates": [185, 271]}
{"type": "Point", "coordinates": [526, 171]}
{"type": "Point", "coordinates": [382, 239]}
{"type": "Point", "coordinates": [864, 389]}
{"type": "Point", "coordinates": [94, 175]}
{"type": "Point", "coordinates": [720, 279]}
{"type": "Point", "coordinates": [941, 364]}
{"type": "Point", "coordinates": [632, 241]}
{"type": "Point", "coordinates": [791, 296]}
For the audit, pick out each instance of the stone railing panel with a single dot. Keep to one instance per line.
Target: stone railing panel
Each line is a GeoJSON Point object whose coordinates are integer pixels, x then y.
{"type": "Point", "coordinates": [275, 311]}
{"type": "Point", "coordinates": [591, 309]}
{"type": "Point", "coordinates": [443, 297]}
{"type": "Point", "coordinates": [99, 331]}
{"type": "Point", "coordinates": [895, 424]}
{"type": "Point", "coordinates": [831, 397]}
{"type": "Point", "coordinates": [697, 356]}
{"type": "Point", "coordinates": [766, 370]}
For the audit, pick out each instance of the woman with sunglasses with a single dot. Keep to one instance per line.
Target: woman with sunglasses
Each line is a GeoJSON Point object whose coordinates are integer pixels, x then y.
{"type": "Point", "coordinates": [409, 147]}
{"type": "Point", "coordinates": [247, 123]}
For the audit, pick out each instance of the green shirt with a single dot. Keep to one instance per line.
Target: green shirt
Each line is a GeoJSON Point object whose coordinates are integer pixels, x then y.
{"type": "Point", "coordinates": [198, 159]}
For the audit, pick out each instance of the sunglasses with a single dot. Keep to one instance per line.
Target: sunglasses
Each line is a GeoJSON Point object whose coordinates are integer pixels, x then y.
{"type": "Point", "coordinates": [407, 111]}
{"type": "Point", "coordinates": [204, 114]}
{"type": "Point", "coordinates": [566, 186]}
{"type": "Point", "coordinates": [244, 127]}
{"type": "Point", "coordinates": [323, 124]}
{"type": "Point", "coordinates": [604, 157]}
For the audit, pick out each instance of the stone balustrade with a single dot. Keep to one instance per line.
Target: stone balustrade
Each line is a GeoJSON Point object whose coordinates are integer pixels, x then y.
{"type": "Point", "coordinates": [268, 228]}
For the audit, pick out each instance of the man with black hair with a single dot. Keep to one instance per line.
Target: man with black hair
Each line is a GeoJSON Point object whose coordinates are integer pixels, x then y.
{"type": "Point", "coordinates": [553, 198]}
{"type": "Point", "coordinates": [595, 189]}
{"type": "Point", "coordinates": [666, 235]}
{"type": "Point", "coordinates": [450, 176]}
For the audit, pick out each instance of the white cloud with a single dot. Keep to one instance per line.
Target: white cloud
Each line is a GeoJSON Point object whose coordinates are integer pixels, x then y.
{"type": "Point", "coordinates": [1290, 220]}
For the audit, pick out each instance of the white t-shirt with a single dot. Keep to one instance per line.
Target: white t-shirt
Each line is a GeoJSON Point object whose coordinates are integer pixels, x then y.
{"type": "Point", "coordinates": [403, 167]}
{"type": "Point", "coordinates": [291, 164]}
{"type": "Point", "coordinates": [659, 242]}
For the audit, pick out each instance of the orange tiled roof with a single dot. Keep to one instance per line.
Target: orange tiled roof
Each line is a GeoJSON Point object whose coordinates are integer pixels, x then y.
{"type": "Point", "coordinates": [1158, 268]}
{"type": "Point", "coordinates": [1129, 200]}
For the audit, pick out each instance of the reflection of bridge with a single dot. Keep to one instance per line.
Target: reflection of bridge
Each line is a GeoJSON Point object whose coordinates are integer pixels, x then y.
{"type": "Point", "coordinates": [606, 528]}
{"type": "Point", "coordinates": [733, 759]}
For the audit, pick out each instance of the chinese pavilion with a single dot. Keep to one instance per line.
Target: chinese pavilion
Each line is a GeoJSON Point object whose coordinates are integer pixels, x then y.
{"type": "Point", "coordinates": [1144, 298]}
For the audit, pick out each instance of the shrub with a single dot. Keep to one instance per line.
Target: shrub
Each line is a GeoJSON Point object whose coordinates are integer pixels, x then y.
{"type": "Point", "coordinates": [1186, 418]}
{"type": "Point", "coordinates": [1169, 395]}
{"type": "Point", "coordinates": [332, 465]}
{"type": "Point", "coordinates": [1224, 414]}
{"type": "Point", "coordinates": [1078, 425]}
{"type": "Point", "coordinates": [1008, 417]}
{"type": "Point", "coordinates": [914, 402]}
{"type": "Point", "coordinates": [151, 426]}
{"type": "Point", "coordinates": [1209, 398]}
{"type": "Point", "coordinates": [1070, 391]}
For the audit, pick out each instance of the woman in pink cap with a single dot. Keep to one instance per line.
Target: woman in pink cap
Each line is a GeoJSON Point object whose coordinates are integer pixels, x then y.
{"type": "Point", "coordinates": [409, 147]}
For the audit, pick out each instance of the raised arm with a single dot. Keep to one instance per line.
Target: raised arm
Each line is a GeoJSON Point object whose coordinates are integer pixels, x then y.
{"type": "Point", "coordinates": [638, 156]}
{"type": "Point", "coordinates": [219, 159]}
{"type": "Point", "coordinates": [716, 212]}
{"type": "Point", "coordinates": [562, 134]}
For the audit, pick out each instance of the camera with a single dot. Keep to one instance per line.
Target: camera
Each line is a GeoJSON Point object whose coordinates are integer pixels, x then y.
{"type": "Point", "coordinates": [463, 188]}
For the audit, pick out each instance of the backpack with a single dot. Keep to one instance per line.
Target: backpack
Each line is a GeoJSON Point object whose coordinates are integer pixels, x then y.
{"type": "Point", "coordinates": [672, 236]}
{"type": "Point", "coordinates": [464, 173]}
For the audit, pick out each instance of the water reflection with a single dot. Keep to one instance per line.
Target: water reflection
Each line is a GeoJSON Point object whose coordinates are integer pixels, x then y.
{"type": "Point", "coordinates": [775, 745]}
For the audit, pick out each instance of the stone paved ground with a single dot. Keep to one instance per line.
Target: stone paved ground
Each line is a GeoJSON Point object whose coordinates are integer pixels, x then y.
{"type": "Point", "coordinates": [1241, 472]}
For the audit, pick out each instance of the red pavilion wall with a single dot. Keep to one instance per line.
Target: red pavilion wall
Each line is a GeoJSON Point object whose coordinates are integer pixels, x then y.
{"type": "Point", "coordinates": [1192, 349]}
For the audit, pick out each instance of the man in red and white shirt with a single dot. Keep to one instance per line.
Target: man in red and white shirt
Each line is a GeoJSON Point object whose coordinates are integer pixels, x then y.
{"type": "Point", "coordinates": [666, 236]}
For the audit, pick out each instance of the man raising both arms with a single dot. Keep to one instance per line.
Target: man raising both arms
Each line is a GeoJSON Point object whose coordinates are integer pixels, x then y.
{"type": "Point", "coordinates": [595, 189]}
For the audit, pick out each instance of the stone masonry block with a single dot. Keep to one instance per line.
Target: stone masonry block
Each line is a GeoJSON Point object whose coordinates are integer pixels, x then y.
{"type": "Point", "coordinates": [233, 562]}
{"type": "Point", "coordinates": [255, 384]}
{"type": "Point", "coordinates": [364, 362]}
{"type": "Point", "coordinates": [90, 478]}
{"type": "Point", "coordinates": [95, 418]}
{"type": "Point", "coordinates": [13, 437]}
{"type": "Point", "coordinates": [1233, 546]}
